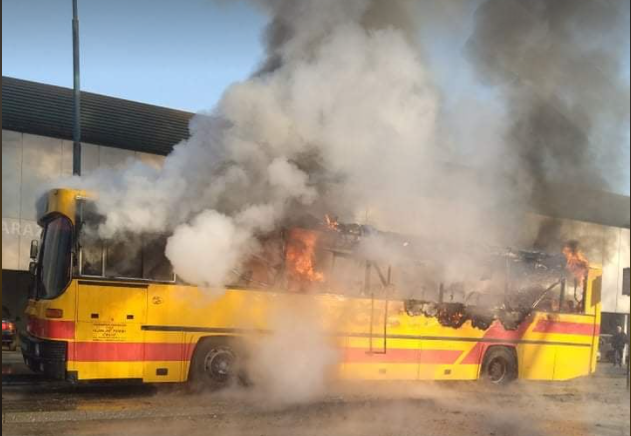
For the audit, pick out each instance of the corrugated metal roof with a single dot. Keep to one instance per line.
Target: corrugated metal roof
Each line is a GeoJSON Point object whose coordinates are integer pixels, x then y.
{"type": "Point", "coordinates": [46, 110]}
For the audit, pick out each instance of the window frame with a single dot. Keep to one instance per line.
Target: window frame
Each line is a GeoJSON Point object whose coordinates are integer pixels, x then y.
{"type": "Point", "coordinates": [104, 251]}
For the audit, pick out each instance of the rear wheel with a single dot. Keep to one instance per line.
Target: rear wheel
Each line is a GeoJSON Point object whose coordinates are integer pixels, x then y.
{"type": "Point", "coordinates": [500, 366]}
{"type": "Point", "coordinates": [216, 365]}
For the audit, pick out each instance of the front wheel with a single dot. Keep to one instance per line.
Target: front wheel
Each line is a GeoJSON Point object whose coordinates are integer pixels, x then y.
{"type": "Point", "coordinates": [500, 366]}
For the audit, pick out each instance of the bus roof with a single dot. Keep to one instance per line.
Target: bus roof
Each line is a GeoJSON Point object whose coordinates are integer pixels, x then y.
{"type": "Point", "coordinates": [61, 201]}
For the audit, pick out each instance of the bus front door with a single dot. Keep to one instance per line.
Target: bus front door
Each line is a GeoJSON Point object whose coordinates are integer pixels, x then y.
{"type": "Point", "coordinates": [109, 338]}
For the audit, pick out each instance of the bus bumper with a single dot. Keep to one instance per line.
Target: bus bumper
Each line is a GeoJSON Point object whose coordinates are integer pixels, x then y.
{"type": "Point", "coordinates": [45, 356]}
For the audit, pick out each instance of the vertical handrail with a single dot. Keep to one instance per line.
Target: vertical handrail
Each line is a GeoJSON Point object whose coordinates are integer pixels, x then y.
{"type": "Point", "coordinates": [372, 305]}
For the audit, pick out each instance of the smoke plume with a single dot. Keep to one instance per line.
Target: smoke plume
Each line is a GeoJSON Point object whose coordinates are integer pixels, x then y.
{"type": "Point", "coordinates": [343, 116]}
{"type": "Point", "coordinates": [340, 114]}
{"type": "Point", "coordinates": [558, 63]}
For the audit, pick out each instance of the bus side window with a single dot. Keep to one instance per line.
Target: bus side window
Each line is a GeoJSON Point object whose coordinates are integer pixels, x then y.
{"type": "Point", "coordinates": [123, 258]}
{"type": "Point", "coordinates": [91, 246]}
{"type": "Point", "coordinates": [92, 258]}
{"type": "Point", "coordinates": [574, 296]}
{"type": "Point", "coordinates": [155, 265]}
{"type": "Point", "coordinates": [552, 301]}
{"type": "Point", "coordinates": [345, 275]}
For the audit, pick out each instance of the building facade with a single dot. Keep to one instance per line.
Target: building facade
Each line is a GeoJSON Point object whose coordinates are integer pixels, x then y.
{"type": "Point", "coordinates": [37, 152]}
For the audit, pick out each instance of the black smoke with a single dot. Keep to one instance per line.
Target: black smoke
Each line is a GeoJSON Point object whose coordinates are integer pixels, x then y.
{"type": "Point", "coordinates": [559, 65]}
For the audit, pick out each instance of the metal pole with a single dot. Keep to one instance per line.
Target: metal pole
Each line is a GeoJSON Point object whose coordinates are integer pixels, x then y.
{"type": "Point", "coordinates": [76, 131]}
{"type": "Point", "coordinates": [627, 350]}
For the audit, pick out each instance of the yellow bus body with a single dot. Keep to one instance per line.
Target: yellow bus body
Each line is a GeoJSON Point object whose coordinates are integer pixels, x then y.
{"type": "Point", "coordinates": [149, 331]}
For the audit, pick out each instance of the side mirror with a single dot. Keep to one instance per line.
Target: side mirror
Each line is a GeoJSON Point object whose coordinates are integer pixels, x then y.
{"type": "Point", "coordinates": [34, 248]}
{"type": "Point", "coordinates": [32, 267]}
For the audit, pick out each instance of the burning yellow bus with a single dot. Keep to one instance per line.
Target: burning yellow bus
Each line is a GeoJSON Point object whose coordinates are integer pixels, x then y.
{"type": "Point", "coordinates": [116, 311]}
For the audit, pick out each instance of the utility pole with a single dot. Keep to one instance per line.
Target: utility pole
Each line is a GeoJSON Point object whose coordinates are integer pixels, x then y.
{"type": "Point", "coordinates": [76, 131]}
{"type": "Point", "coordinates": [627, 351]}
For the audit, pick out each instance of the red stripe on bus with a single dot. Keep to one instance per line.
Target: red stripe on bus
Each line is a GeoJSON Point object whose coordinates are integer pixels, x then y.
{"type": "Point", "coordinates": [126, 352]}
{"type": "Point", "coordinates": [496, 332]}
{"type": "Point", "coordinates": [564, 328]}
{"type": "Point", "coordinates": [401, 355]}
{"type": "Point", "coordinates": [164, 352]}
{"type": "Point", "coordinates": [440, 357]}
{"type": "Point", "coordinates": [51, 329]}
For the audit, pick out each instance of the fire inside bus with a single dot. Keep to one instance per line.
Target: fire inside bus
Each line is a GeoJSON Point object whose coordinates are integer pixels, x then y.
{"type": "Point", "coordinates": [115, 310]}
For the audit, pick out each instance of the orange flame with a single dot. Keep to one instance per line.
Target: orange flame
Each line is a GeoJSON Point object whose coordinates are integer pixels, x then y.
{"type": "Point", "coordinates": [577, 263]}
{"type": "Point", "coordinates": [300, 254]}
{"type": "Point", "coordinates": [331, 222]}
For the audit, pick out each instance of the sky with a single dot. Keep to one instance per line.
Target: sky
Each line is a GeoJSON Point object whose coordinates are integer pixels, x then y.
{"type": "Point", "coordinates": [184, 54]}
{"type": "Point", "coordinates": [178, 54]}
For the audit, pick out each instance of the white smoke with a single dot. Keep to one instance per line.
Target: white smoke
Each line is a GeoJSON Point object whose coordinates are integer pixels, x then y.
{"type": "Point", "coordinates": [209, 229]}
{"type": "Point", "coordinates": [345, 101]}
{"type": "Point", "coordinates": [342, 117]}
{"type": "Point", "coordinates": [293, 364]}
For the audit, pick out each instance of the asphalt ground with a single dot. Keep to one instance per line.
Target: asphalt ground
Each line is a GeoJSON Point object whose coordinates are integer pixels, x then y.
{"type": "Point", "coordinates": [594, 406]}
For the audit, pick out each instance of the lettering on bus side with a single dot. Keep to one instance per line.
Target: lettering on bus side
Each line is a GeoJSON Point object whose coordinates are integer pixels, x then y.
{"type": "Point", "coordinates": [109, 332]}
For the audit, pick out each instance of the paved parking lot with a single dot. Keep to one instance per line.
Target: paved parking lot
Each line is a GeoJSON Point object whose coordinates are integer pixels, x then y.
{"type": "Point", "coordinates": [596, 406]}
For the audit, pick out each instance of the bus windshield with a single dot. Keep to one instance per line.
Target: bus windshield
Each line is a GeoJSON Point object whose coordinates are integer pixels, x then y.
{"type": "Point", "coordinates": [54, 270]}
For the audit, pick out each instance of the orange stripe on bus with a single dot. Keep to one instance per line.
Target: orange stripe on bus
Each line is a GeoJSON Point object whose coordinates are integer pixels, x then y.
{"type": "Point", "coordinates": [564, 328]}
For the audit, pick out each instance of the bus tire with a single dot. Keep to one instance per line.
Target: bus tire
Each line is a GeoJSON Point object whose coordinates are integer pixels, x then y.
{"type": "Point", "coordinates": [216, 365]}
{"type": "Point", "coordinates": [500, 366]}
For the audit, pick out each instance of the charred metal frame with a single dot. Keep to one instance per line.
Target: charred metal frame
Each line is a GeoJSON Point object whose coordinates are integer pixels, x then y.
{"type": "Point", "coordinates": [386, 285]}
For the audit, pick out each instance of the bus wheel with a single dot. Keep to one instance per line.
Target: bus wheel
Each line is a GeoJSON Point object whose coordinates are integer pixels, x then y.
{"type": "Point", "coordinates": [215, 366]}
{"type": "Point", "coordinates": [500, 366]}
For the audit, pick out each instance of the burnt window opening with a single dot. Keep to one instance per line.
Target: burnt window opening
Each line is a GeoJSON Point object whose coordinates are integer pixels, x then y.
{"type": "Point", "coordinates": [264, 269]}
{"type": "Point", "coordinates": [90, 247]}
{"type": "Point", "coordinates": [546, 288]}
{"type": "Point", "coordinates": [346, 275]}
{"type": "Point", "coordinates": [124, 257]}
{"type": "Point", "coordinates": [155, 265]}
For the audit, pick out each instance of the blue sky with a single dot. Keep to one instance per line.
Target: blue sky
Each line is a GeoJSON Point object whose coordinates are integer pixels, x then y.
{"type": "Point", "coordinates": [175, 54]}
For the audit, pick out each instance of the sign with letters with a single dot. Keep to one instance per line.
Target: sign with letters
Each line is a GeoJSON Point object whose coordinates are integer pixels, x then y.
{"type": "Point", "coordinates": [109, 332]}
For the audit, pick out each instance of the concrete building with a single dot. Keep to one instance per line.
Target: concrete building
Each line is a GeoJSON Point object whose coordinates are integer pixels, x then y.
{"type": "Point", "coordinates": [37, 148]}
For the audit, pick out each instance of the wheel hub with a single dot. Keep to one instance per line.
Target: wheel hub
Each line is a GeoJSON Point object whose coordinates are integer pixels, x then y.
{"type": "Point", "coordinates": [218, 365]}
{"type": "Point", "coordinates": [497, 370]}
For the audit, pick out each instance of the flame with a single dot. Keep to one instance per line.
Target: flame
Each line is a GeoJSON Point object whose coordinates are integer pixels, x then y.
{"type": "Point", "coordinates": [331, 222]}
{"type": "Point", "coordinates": [577, 263]}
{"type": "Point", "coordinates": [300, 254]}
